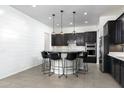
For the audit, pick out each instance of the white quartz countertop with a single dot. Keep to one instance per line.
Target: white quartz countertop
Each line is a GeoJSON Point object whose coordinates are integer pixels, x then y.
{"type": "Point", "coordinates": [117, 55]}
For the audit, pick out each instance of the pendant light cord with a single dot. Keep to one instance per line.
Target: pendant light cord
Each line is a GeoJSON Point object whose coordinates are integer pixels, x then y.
{"type": "Point", "coordinates": [61, 21]}
{"type": "Point", "coordinates": [74, 21]}
{"type": "Point", "coordinates": [53, 22]}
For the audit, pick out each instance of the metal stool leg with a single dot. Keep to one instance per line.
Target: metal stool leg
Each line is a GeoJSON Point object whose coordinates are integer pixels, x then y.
{"type": "Point", "coordinates": [43, 66]}
{"type": "Point", "coordinates": [66, 69]}
{"type": "Point", "coordinates": [76, 69]}
{"type": "Point", "coordinates": [73, 67]}
{"type": "Point", "coordinates": [49, 67]}
{"type": "Point", "coordinates": [58, 69]}
{"type": "Point", "coordinates": [86, 67]}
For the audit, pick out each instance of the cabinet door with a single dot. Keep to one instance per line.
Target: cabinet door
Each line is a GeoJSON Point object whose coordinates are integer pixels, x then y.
{"type": "Point", "coordinates": [66, 39]}
{"type": "Point", "coordinates": [90, 37]}
{"type": "Point", "coordinates": [80, 39]}
{"type": "Point", "coordinates": [120, 29]}
{"type": "Point", "coordinates": [107, 64]}
{"type": "Point", "coordinates": [121, 19]}
{"type": "Point", "coordinates": [118, 33]}
{"type": "Point", "coordinates": [112, 32]}
{"type": "Point", "coordinates": [53, 40]}
{"type": "Point", "coordinates": [86, 37]}
{"type": "Point", "coordinates": [59, 40]}
{"type": "Point", "coordinates": [122, 74]}
{"type": "Point", "coordinates": [112, 67]}
{"type": "Point", "coordinates": [94, 34]}
{"type": "Point", "coordinates": [117, 71]}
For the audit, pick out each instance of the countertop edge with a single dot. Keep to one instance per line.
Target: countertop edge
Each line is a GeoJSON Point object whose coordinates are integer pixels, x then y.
{"type": "Point", "coordinates": [119, 58]}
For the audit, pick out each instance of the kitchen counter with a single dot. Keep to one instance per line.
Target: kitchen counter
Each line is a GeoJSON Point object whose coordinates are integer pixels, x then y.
{"type": "Point", "coordinates": [117, 55]}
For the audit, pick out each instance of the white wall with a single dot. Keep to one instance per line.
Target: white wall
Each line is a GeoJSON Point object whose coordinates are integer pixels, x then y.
{"type": "Point", "coordinates": [78, 29]}
{"type": "Point", "coordinates": [21, 40]}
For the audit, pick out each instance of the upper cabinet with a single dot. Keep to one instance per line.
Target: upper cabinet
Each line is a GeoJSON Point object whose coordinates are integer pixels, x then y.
{"type": "Point", "coordinates": [53, 37]}
{"type": "Point", "coordinates": [110, 31]}
{"type": "Point", "coordinates": [58, 40]}
{"type": "Point", "coordinates": [115, 30]}
{"type": "Point", "coordinates": [90, 37]}
{"type": "Point", "coordinates": [81, 38]}
{"type": "Point", "coordinates": [120, 30]}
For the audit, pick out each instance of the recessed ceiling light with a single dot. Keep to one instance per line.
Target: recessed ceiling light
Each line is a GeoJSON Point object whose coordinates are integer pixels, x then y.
{"type": "Point", "coordinates": [33, 5]}
{"type": "Point", "coordinates": [57, 24]}
{"type": "Point", "coordinates": [70, 23]}
{"type": "Point", "coordinates": [86, 22]}
{"type": "Point", "coordinates": [50, 18]}
{"type": "Point", "coordinates": [85, 13]}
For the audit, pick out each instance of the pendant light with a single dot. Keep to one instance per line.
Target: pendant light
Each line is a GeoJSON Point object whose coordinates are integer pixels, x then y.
{"type": "Point", "coordinates": [61, 21]}
{"type": "Point", "coordinates": [74, 22]}
{"type": "Point", "coordinates": [53, 23]}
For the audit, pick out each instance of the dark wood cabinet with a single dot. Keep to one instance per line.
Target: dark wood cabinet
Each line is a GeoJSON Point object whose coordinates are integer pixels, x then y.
{"type": "Point", "coordinates": [110, 31]}
{"type": "Point", "coordinates": [117, 70]}
{"type": "Point", "coordinates": [58, 40]}
{"type": "Point", "coordinates": [62, 39]}
{"type": "Point", "coordinates": [115, 30]}
{"type": "Point", "coordinates": [66, 37]}
{"type": "Point", "coordinates": [91, 60]}
{"type": "Point", "coordinates": [120, 30]}
{"type": "Point", "coordinates": [53, 37]}
{"type": "Point", "coordinates": [122, 74]}
{"type": "Point", "coordinates": [112, 68]}
{"type": "Point", "coordinates": [80, 41]}
{"type": "Point", "coordinates": [90, 37]}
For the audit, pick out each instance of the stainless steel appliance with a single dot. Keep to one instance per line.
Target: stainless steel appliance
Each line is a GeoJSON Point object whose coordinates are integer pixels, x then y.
{"type": "Point", "coordinates": [91, 49]}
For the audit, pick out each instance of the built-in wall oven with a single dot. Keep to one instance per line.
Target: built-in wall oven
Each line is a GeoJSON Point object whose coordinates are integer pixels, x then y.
{"type": "Point", "coordinates": [91, 49]}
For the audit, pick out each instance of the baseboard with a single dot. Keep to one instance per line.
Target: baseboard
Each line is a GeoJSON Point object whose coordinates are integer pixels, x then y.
{"type": "Point", "coordinates": [18, 71]}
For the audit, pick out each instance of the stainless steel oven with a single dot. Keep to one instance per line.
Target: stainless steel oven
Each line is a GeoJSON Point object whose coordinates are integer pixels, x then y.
{"type": "Point", "coordinates": [91, 49]}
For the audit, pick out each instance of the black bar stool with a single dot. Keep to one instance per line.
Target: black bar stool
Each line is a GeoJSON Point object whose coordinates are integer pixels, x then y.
{"type": "Point", "coordinates": [45, 63]}
{"type": "Point", "coordinates": [84, 58]}
{"type": "Point", "coordinates": [71, 57]}
{"type": "Point", "coordinates": [56, 57]}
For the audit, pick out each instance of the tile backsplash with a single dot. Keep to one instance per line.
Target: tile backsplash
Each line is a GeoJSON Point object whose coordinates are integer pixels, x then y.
{"type": "Point", "coordinates": [116, 48]}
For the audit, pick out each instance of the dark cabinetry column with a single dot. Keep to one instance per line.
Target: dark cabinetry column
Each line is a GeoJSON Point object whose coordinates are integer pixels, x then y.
{"type": "Point", "coordinates": [122, 74]}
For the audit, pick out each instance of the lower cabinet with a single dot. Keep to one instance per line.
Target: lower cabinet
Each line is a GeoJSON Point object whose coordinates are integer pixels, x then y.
{"type": "Point", "coordinates": [117, 70]}
{"type": "Point", "coordinates": [91, 60]}
{"type": "Point", "coordinates": [122, 74]}
{"type": "Point", "coordinates": [112, 68]}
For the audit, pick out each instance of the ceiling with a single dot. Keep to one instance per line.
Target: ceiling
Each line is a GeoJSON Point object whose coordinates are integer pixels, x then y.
{"type": "Point", "coordinates": [43, 12]}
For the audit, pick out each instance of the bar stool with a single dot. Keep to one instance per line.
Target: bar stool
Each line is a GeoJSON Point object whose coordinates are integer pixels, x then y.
{"type": "Point", "coordinates": [56, 57]}
{"type": "Point", "coordinates": [84, 57]}
{"type": "Point", "coordinates": [71, 57]}
{"type": "Point", "coordinates": [46, 62]}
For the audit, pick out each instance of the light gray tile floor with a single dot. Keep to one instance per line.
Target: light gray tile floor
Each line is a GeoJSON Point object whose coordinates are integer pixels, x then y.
{"type": "Point", "coordinates": [33, 78]}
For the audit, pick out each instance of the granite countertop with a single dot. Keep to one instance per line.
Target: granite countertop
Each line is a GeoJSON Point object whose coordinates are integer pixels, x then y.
{"type": "Point", "coordinates": [117, 55]}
